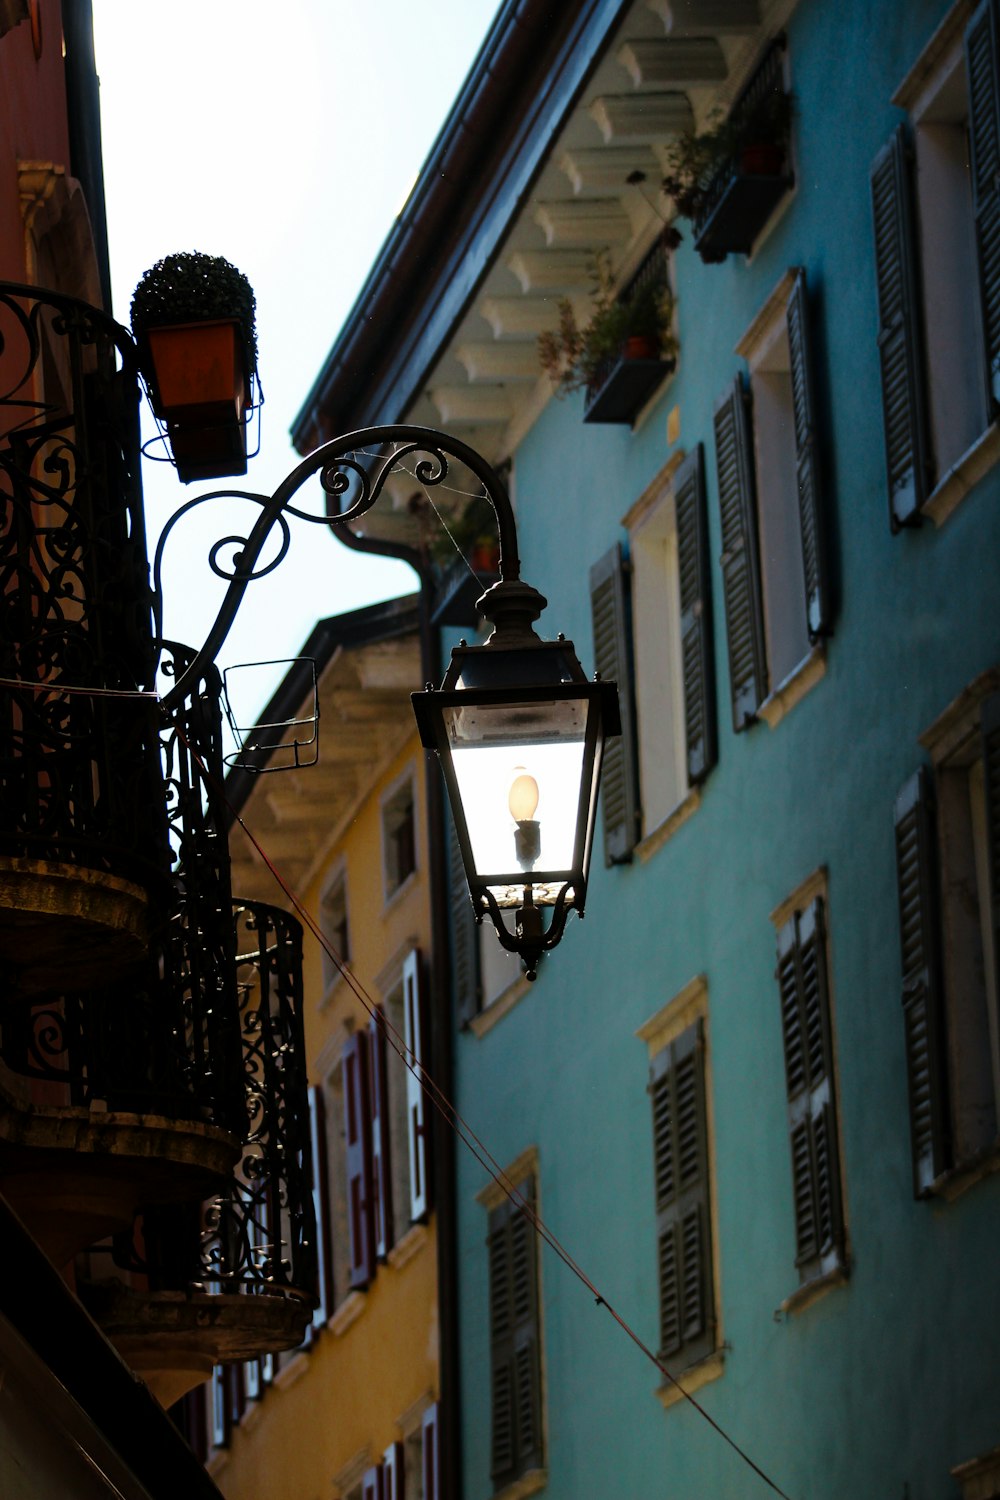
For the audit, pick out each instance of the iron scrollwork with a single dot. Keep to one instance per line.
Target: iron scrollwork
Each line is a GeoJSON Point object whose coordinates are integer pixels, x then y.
{"type": "Point", "coordinates": [78, 772]}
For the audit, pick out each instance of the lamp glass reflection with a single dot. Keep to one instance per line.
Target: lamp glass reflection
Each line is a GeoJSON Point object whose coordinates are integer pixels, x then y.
{"type": "Point", "coordinates": [487, 775]}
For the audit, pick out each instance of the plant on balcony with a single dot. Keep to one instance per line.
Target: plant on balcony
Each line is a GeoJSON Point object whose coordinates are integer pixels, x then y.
{"type": "Point", "coordinates": [193, 316]}
{"type": "Point", "coordinates": [473, 533]}
{"type": "Point", "coordinates": [576, 356]}
{"type": "Point", "coordinates": [751, 142]}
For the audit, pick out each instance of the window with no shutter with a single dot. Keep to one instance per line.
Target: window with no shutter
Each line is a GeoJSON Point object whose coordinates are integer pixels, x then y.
{"type": "Point", "coordinates": [514, 1341]}
{"type": "Point", "coordinates": [683, 1215]}
{"type": "Point", "coordinates": [803, 987]}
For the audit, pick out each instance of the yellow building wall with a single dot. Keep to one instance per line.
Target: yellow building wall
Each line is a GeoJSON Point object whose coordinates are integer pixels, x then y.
{"type": "Point", "coordinates": [376, 1361]}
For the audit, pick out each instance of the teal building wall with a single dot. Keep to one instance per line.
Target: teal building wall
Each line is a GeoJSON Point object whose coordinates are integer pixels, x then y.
{"type": "Point", "coordinates": [885, 1383]}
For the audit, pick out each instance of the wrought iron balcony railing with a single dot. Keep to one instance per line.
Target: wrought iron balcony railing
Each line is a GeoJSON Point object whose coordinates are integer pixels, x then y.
{"type": "Point", "coordinates": [258, 1236]}
{"type": "Point", "coordinates": [79, 779]}
{"type": "Point", "coordinates": [167, 1040]}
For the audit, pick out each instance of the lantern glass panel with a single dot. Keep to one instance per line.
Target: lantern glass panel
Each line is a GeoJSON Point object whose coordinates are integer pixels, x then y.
{"type": "Point", "coordinates": [495, 745]}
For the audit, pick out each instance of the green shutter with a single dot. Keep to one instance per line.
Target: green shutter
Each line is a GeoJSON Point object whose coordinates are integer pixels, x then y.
{"type": "Point", "coordinates": [681, 1180]}
{"type": "Point", "coordinates": [900, 341]}
{"type": "Point", "coordinates": [812, 1121]}
{"type": "Point", "coordinates": [610, 609]}
{"type": "Point", "coordinates": [694, 579]}
{"type": "Point", "coordinates": [991, 789]}
{"type": "Point", "coordinates": [982, 57]}
{"type": "Point", "coordinates": [740, 559]}
{"type": "Point", "coordinates": [515, 1363]}
{"type": "Point", "coordinates": [464, 934]}
{"type": "Point", "coordinates": [923, 1014]}
{"type": "Point", "coordinates": [819, 614]}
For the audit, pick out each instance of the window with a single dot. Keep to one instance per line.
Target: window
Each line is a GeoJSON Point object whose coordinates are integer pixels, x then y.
{"type": "Point", "coordinates": [652, 635]}
{"type": "Point", "coordinates": [515, 1331]}
{"type": "Point", "coordinates": [947, 854]}
{"type": "Point", "coordinates": [333, 921]}
{"type": "Point", "coordinates": [774, 567]}
{"type": "Point", "coordinates": [804, 991]}
{"type": "Point", "coordinates": [385, 1151]}
{"type": "Point", "coordinates": [408, 1469]}
{"type": "Point", "coordinates": [936, 208]}
{"type": "Point", "coordinates": [683, 1211]}
{"type": "Point", "coordinates": [399, 837]}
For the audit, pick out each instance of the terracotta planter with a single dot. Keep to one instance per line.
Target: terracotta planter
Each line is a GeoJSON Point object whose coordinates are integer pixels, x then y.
{"type": "Point", "coordinates": [200, 388]}
{"type": "Point", "coordinates": [762, 159]}
{"type": "Point", "coordinates": [484, 557]}
{"type": "Point", "coordinates": [641, 346]}
{"type": "Point", "coordinates": [197, 368]}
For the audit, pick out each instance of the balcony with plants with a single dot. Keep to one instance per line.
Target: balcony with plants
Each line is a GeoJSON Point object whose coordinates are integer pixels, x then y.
{"type": "Point", "coordinates": [728, 179]}
{"type": "Point", "coordinates": [623, 352]}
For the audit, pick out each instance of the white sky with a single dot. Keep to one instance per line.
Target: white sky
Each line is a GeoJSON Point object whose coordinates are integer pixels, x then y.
{"type": "Point", "coordinates": [284, 136]}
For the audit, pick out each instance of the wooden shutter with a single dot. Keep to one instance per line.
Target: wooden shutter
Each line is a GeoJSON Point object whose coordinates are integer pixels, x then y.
{"type": "Point", "coordinates": [683, 1220]}
{"type": "Point", "coordinates": [900, 341]}
{"type": "Point", "coordinates": [414, 1023]}
{"type": "Point", "coordinates": [371, 1484]}
{"type": "Point", "coordinates": [740, 558]}
{"type": "Point", "coordinates": [357, 1124]}
{"type": "Point", "coordinates": [923, 1013]}
{"type": "Point", "coordinates": [321, 1205]}
{"type": "Point", "coordinates": [466, 987]}
{"type": "Point", "coordinates": [430, 1452]}
{"type": "Point", "coordinates": [514, 1341]}
{"type": "Point", "coordinates": [611, 613]}
{"type": "Point", "coordinates": [697, 658]}
{"type": "Point", "coordinates": [812, 1122]}
{"type": "Point", "coordinates": [382, 1228]}
{"type": "Point", "coordinates": [807, 465]}
{"type": "Point", "coordinates": [991, 792]}
{"type": "Point", "coordinates": [982, 57]}
{"type": "Point", "coordinates": [393, 1472]}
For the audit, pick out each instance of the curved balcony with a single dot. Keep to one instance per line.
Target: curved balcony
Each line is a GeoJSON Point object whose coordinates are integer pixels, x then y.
{"type": "Point", "coordinates": [134, 1093]}
{"type": "Point", "coordinates": [82, 835]}
{"type": "Point", "coordinates": [237, 1278]}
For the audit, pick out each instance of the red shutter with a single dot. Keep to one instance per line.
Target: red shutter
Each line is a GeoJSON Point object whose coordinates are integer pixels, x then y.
{"type": "Point", "coordinates": [431, 1457]}
{"type": "Point", "coordinates": [371, 1485]}
{"type": "Point", "coordinates": [381, 1164]}
{"type": "Point", "coordinates": [393, 1473]}
{"type": "Point", "coordinates": [357, 1126]}
{"type": "Point", "coordinates": [416, 1102]}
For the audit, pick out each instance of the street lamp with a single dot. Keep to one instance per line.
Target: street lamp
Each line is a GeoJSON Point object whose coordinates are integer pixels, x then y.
{"type": "Point", "coordinates": [518, 729]}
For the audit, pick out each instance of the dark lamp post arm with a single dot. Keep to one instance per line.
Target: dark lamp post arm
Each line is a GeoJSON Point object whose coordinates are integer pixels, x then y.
{"type": "Point", "coordinates": [342, 464]}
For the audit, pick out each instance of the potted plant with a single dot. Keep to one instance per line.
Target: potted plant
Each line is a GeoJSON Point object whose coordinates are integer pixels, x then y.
{"type": "Point", "coordinates": [474, 533]}
{"type": "Point", "coordinates": [576, 356]}
{"type": "Point", "coordinates": [193, 316]}
{"type": "Point", "coordinates": [752, 141]}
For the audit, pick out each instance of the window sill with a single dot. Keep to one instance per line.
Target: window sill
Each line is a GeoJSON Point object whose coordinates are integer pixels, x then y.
{"type": "Point", "coordinates": [292, 1372]}
{"type": "Point", "coordinates": [800, 681]}
{"type": "Point", "coordinates": [251, 1416]}
{"type": "Point", "coordinates": [216, 1462]}
{"type": "Point", "coordinates": [692, 1379]}
{"type": "Point", "coordinates": [655, 841]}
{"type": "Point", "coordinates": [335, 989]}
{"type": "Point", "coordinates": [958, 1180]}
{"type": "Point", "coordinates": [410, 1245]}
{"type": "Point", "coordinates": [394, 897]}
{"type": "Point", "coordinates": [500, 1007]}
{"type": "Point", "coordinates": [347, 1313]}
{"type": "Point", "coordinates": [528, 1483]}
{"type": "Point", "coordinates": [811, 1291]}
{"type": "Point", "coordinates": [963, 476]}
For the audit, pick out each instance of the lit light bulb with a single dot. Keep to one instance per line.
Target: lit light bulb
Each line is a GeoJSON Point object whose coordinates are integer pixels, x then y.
{"type": "Point", "coordinates": [523, 796]}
